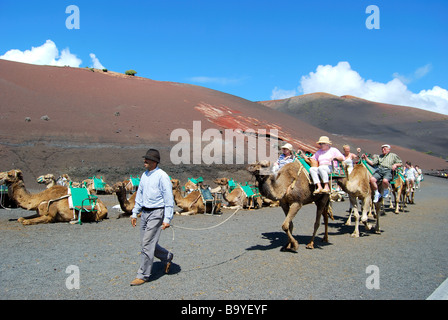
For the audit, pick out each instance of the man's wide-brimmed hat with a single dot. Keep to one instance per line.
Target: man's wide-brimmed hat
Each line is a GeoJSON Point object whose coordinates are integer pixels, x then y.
{"type": "Point", "coordinates": [152, 154]}
{"type": "Point", "coordinates": [324, 139]}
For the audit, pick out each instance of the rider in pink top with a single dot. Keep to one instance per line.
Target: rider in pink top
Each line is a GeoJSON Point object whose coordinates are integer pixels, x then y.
{"type": "Point", "coordinates": [324, 156]}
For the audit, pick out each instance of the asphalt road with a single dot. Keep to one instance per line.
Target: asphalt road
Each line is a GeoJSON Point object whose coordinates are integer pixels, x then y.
{"type": "Point", "coordinates": [238, 260]}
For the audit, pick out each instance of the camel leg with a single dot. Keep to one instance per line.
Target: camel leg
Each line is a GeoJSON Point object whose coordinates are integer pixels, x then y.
{"type": "Point", "coordinates": [43, 215]}
{"type": "Point", "coordinates": [354, 206]}
{"type": "Point", "coordinates": [21, 219]}
{"type": "Point", "coordinates": [322, 205]}
{"type": "Point", "coordinates": [326, 215]}
{"type": "Point", "coordinates": [398, 200]}
{"type": "Point", "coordinates": [186, 213]}
{"type": "Point", "coordinates": [378, 213]}
{"type": "Point", "coordinates": [40, 219]}
{"type": "Point", "coordinates": [355, 233]}
{"type": "Point", "coordinates": [288, 226]}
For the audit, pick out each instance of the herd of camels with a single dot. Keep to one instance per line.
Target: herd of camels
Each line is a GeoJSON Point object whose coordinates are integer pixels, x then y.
{"type": "Point", "coordinates": [289, 188]}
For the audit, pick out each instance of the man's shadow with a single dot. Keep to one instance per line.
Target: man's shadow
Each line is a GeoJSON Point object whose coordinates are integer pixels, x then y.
{"type": "Point", "coordinates": [158, 270]}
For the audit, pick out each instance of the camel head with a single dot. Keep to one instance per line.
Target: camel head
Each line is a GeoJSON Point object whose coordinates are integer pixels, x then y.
{"type": "Point", "coordinates": [176, 183]}
{"type": "Point", "coordinates": [260, 168]}
{"type": "Point", "coordinates": [9, 177]}
{"type": "Point", "coordinates": [119, 186]}
{"type": "Point", "coordinates": [221, 181]}
{"type": "Point", "coordinates": [46, 179]}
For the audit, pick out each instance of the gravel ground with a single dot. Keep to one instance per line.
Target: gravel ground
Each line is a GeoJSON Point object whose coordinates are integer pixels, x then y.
{"type": "Point", "coordinates": [238, 260]}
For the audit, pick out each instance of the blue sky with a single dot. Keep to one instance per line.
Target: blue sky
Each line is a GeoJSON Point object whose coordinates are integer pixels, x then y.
{"type": "Point", "coordinates": [258, 50]}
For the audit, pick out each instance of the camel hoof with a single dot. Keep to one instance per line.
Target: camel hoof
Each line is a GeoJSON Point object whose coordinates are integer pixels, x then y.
{"type": "Point", "coordinates": [25, 222]}
{"type": "Point", "coordinates": [289, 248]}
{"type": "Point", "coordinates": [310, 245]}
{"type": "Point", "coordinates": [354, 235]}
{"type": "Point", "coordinates": [21, 219]}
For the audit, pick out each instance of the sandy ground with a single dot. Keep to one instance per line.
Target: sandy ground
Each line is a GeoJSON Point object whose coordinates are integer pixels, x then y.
{"type": "Point", "coordinates": [238, 260]}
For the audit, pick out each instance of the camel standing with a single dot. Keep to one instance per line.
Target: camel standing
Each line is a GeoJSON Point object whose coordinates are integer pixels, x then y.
{"type": "Point", "coordinates": [398, 190]}
{"type": "Point", "coordinates": [409, 194]}
{"type": "Point", "coordinates": [357, 186]}
{"type": "Point", "coordinates": [291, 187]}
{"type": "Point", "coordinates": [52, 204]}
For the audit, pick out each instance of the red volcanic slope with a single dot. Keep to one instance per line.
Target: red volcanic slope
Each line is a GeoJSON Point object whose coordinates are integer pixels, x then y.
{"type": "Point", "coordinates": [94, 109]}
{"type": "Point", "coordinates": [83, 107]}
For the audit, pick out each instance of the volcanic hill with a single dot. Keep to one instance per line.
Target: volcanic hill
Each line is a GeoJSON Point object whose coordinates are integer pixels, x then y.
{"type": "Point", "coordinates": [88, 122]}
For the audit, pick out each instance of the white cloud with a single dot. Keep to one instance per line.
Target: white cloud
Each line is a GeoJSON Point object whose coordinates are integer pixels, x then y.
{"type": "Point", "coordinates": [278, 94]}
{"type": "Point", "coordinates": [343, 80]}
{"type": "Point", "coordinates": [217, 80]}
{"type": "Point", "coordinates": [419, 73]}
{"type": "Point", "coordinates": [96, 62]}
{"type": "Point", "coordinates": [46, 54]}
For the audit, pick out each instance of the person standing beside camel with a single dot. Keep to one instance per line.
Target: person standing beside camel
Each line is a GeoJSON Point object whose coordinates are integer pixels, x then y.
{"type": "Point", "coordinates": [387, 163]}
{"type": "Point", "coordinates": [155, 200]}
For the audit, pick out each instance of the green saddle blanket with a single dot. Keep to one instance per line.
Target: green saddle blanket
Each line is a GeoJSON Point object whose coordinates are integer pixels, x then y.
{"type": "Point", "coordinates": [80, 199]}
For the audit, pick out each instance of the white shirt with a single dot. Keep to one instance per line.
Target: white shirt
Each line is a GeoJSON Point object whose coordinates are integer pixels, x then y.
{"type": "Point", "coordinates": [155, 191]}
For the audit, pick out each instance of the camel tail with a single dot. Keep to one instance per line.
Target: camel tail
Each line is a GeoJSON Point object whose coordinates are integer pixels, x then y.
{"type": "Point", "coordinates": [329, 210]}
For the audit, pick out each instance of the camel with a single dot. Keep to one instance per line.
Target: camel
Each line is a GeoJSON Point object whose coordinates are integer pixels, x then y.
{"type": "Point", "coordinates": [191, 204]}
{"type": "Point", "coordinates": [409, 194]}
{"type": "Point", "coordinates": [50, 180]}
{"type": "Point", "coordinates": [126, 204]}
{"type": "Point", "coordinates": [292, 188]}
{"type": "Point", "coordinates": [357, 186]}
{"type": "Point", "coordinates": [51, 205]}
{"type": "Point", "coordinates": [90, 185]}
{"type": "Point", "coordinates": [398, 188]}
{"type": "Point", "coordinates": [236, 198]}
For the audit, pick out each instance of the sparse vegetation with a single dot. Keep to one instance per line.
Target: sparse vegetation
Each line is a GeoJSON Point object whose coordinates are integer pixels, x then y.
{"type": "Point", "coordinates": [130, 72]}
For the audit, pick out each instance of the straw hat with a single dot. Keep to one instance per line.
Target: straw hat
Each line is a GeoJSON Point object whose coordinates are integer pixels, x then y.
{"type": "Point", "coordinates": [324, 139]}
{"type": "Point", "coordinates": [287, 146]}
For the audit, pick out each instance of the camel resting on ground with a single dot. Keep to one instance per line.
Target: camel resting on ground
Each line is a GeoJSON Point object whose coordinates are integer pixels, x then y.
{"type": "Point", "coordinates": [237, 197]}
{"type": "Point", "coordinates": [51, 205]}
{"type": "Point", "coordinates": [126, 204]}
{"type": "Point", "coordinates": [291, 187]}
{"type": "Point", "coordinates": [50, 180]}
{"type": "Point", "coordinates": [190, 204]}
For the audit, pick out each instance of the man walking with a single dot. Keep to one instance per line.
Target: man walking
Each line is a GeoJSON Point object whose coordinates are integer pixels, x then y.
{"type": "Point", "coordinates": [155, 201]}
{"type": "Point", "coordinates": [387, 162]}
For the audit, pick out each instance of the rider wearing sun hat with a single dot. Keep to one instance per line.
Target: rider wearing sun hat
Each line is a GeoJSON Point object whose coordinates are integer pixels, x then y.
{"type": "Point", "coordinates": [324, 156]}
{"type": "Point", "coordinates": [286, 157]}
